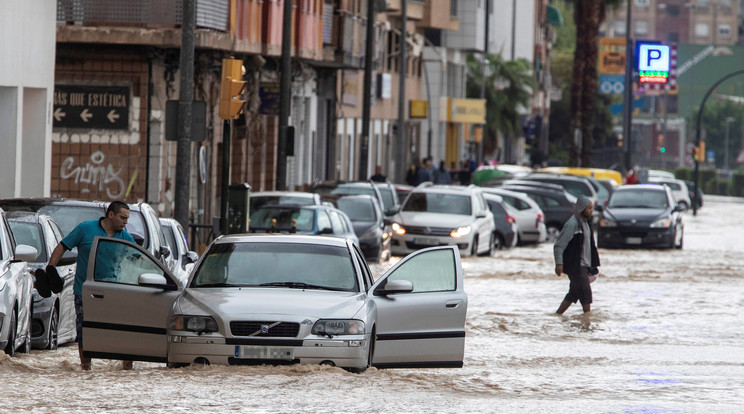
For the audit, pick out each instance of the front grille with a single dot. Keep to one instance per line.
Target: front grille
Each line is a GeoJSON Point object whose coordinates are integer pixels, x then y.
{"type": "Point", "coordinates": [248, 328]}
{"type": "Point", "coordinates": [428, 231]}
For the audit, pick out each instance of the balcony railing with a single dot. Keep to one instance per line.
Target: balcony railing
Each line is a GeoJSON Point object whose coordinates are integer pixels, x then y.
{"type": "Point", "coordinates": [210, 14]}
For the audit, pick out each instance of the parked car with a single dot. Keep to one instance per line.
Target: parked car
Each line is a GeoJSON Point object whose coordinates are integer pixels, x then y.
{"type": "Point", "coordinates": [557, 205]}
{"type": "Point", "coordinates": [16, 291]}
{"type": "Point", "coordinates": [505, 224]}
{"type": "Point", "coordinates": [390, 199]}
{"type": "Point", "coordinates": [574, 184]}
{"type": "Point", "coordinates": [444, 215]}
{"type": "Point", "coordinates": [53, 319]}
{"type": "Point", "coordinates": [143, 223]}
{"type": "Point", "coordinates": [349, 188]}
{"type": "Point", "coordinates": [319, 220]}
{"type": "Point", "coordinates": [530, 218]}
{"type": "Point", "coordinates": [597, 173]}
{"type": "Point", "coordinates": [183, 258]}
{"type": "Point", "coordinates": [370, 225]}
{"type": "Point", "coordinates": [261, 198]}
{"type": "Point", "coordinates": [256, 299]}
{"type": "Point", "coordinates": [678, 187]}
{"type": "Point", "coordinates": [645, 215]}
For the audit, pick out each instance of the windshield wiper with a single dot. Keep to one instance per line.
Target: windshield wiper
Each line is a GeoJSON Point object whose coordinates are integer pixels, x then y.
{"type": "Point", "coordinates": [298, 285]}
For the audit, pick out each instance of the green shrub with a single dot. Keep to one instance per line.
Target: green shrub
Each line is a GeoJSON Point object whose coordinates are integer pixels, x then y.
{"type": "Point", "coordinates": [684, 173]}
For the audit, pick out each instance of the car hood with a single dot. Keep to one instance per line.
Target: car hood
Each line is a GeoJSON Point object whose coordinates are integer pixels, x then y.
{"type": "Point", "coordinates": [250, 303]}
{"type": "Point", "coordinates": [638, 214]}
{"type": "Point", "coordinates": [433, 219]}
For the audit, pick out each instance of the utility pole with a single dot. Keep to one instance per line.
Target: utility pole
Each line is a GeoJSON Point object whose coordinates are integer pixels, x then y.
{"type": "Point", "coordinates": [400, 156]}
{"type": "Point", "coordinates": [285, 98]}
{"type": "Point", "coordinates": [186, 97]}
{"type": "Point", "coordinates": [628, 95]}
{"type": "Point", "coordinates": [484, 65]}
{"type": "Point", "coordinates": [367, 96]}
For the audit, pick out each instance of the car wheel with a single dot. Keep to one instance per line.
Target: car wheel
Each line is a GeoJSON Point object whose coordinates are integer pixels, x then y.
{"type": "Point", "coordinates": [498, 242]}
{"type": "Point", "coordinates": [10, 348]}
{"type": "Point", "coordinates": [53, 339]}
{"type": "Point", "coordinates": [370, 355]}
{"type": "Point", "coordinates": [553, 232]}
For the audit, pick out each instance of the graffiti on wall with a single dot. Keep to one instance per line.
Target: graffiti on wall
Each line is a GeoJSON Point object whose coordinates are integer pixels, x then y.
{"type": "Point", "coordinates": [95, 173]}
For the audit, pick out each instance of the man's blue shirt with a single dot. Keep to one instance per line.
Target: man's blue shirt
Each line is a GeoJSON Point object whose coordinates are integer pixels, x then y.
{"type": "Point", "coordinates": [82, 237]}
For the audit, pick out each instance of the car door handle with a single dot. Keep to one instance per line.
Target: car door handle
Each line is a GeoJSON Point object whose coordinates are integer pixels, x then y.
{"type": "Point", "coordinates": [96, 295]}
{"type": "Point", "coordinates": [453, 304]}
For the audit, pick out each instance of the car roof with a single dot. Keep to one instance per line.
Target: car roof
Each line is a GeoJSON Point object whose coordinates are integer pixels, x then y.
{"type": "Point", "coordinates": [442, 188]}
{"type": "Point", "coordinates": [535, 184]}
{"type": "Point", "coordinates": [26, 216]}
{"type": "Point", "coordinates": [644, 187]}
{"type": "Point", "coordinates": [282, 238]}
{"type": "Point", "coordinates": [535, 189]}
{"type": "Point", "coordinates": [33, 204]}
{"type": "Point", "coordinates": [283, 193]}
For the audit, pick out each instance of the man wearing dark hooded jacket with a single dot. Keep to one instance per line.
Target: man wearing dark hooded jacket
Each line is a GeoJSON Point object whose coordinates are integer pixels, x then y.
{"type": "Point", "coordinates": [576, 255]}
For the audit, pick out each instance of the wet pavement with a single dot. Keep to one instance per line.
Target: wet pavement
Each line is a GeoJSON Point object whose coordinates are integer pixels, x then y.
{"type": "Point", "coordinates": [665, 336]}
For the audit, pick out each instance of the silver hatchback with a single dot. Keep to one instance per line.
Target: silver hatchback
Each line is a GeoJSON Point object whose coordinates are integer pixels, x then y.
{"type": "Point", "coordinates": [278, 299]}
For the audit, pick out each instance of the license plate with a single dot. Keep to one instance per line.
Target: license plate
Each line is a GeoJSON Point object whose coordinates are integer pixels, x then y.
{"type": "Point", "coordinates": [263, 352]}
{"type": "Point", "coordinates": [633, 240]}
{"type": "Point", "coordinates": [425, 240]}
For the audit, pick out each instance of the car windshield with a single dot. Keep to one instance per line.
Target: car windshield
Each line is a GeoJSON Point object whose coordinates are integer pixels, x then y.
{"type": "Point", "coordinates": [30, 235]}
{"type": "Point", "coordinates": [387, 197]}
{"type": "Point", "coordinates": [438, 203]}
{"type": "Point", "coordinates": [638, 199]}
{"type": "Point", "coordinates": [276, 265]}
{"type": "Point", "coordinates": [70, 216]}
{"type": "Point", "coordinates": [304, 219]}
{"type": "Point", "coordinates": [358, 209]}
{"type": "Point", "coordinates": [259, 201]}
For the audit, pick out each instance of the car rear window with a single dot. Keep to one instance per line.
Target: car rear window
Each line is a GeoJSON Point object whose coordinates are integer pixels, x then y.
{"type": "Point", "coordinates": [438, 203]}
{"type": "Point", "coordinates": [305, 218]}
{"type": "Point", "coordinates": [260, 264]}
{"type": "Point", "coordinates": [70, 216]}
{"type": "Point", "coordinates": [638, 199]}
{"type": "Point", "coordinates": [358, 209]}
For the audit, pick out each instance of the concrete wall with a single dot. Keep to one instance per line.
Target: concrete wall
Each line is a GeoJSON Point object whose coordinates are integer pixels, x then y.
{"type": "Point", "coordinates": [26, 90]}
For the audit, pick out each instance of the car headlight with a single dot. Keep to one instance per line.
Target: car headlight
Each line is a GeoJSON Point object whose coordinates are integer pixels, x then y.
{"type": "Point", "coordinates": [332, 327]}
{"type": "Point", "coordinates": [398, 229]}
{"type": "Point", "coordinates": [460, 232]}
{"type": "Point", "coordinates": [199, 324]}
{"type": "Point", "coordinates": [664, 222]}
{"type": "Point", "coordinates": [605, 222]}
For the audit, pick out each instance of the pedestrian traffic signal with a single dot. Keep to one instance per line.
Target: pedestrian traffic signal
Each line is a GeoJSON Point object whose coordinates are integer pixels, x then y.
{"type": "Point", "coordinates": [662, 149]}
{"type": "Point", "coordinates": [232, 87]}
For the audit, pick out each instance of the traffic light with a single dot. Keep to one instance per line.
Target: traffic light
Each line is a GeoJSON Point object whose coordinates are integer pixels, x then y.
{"type": "Point", "coordinates": [619, 140]}
{"type": "Point", "coordinates": [232, 87]}
{"type": "Point", "coordinates": [662, 149]}
{"type": "Point", "coordinates": [699, 152]}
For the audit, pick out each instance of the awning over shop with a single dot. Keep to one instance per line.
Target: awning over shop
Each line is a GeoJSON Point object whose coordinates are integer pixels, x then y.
{"type": "Point", "coordinates": [554, 16]}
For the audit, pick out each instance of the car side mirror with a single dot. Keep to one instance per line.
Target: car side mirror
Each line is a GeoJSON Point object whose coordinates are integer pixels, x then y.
{"type": "Point", "coordinates": [154, 280]}
{"type": "Point", "coordinates": [165, 252]}
{"type": "Point", "coordinates": [395, 286]}
{"type": "Point", "coordinates": [191, 257]}
{"type": "Point", "coordinates": [326, 230]}
{"type": "Point", "coordinates": [680, 207]}
{"type": "Point", "coordinates": [68, 258]}
{"type": "Point", "coordinates": [392, 211]}
{"type": "Point", "coordinates": [25, 253]}
{"type": "Point", "coordinates": [138, 238]}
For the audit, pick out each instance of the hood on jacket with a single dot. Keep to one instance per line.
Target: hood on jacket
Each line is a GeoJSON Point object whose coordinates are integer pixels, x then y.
{"type": "Point", "coordinates": [581, 203]}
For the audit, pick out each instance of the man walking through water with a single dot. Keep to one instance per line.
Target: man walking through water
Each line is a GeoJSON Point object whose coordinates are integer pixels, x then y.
{"type": "Point", "coordinates": [82, 236]}
{"type": "Point", "coordinates": [576, 255]}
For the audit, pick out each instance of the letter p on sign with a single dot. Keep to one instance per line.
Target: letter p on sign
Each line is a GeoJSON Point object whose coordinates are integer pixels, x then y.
{"type": "Point", "coordinates": [654, 57]}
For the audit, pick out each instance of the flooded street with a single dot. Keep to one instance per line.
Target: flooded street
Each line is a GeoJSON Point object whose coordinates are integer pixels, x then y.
{"type": "Point", "coordinates": [666, 335]}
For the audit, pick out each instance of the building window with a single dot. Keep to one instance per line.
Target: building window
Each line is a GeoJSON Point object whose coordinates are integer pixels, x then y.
{"type": "Point", "coordinates": [619, 27]}
{"type": "Point", "coordinates": [673, 37]}
{"type": "Point", "coordinates": [724, 30]}
{"type": "Point", "coordinates": [701, 30]}
{"type": "Point", "coordinates": [641, 27]}
{"type": "Point", "coordinates": [641, 3]}
{"type": "Point", "coordinates": [453, 8]}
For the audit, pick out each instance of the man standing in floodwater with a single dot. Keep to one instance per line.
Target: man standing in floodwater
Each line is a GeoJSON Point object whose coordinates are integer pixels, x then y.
{"type": "Point", "coordinates": [576, 254]}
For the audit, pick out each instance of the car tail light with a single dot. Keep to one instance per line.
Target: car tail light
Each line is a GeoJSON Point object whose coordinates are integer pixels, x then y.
{"type": "Point", "coordinates": [540, 219]}
{"type": "Point", "coordinates": [510, 219]}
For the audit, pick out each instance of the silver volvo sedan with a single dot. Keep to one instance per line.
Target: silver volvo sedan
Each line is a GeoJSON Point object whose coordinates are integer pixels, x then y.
{"type": "Point", "coordinates": [276, 299]}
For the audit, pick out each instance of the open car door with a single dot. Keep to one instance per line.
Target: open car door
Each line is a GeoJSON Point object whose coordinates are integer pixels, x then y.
{"type": "Point", "coordinates": [421, 308]}
{"type": "Point", "coordinates": [127, 300]}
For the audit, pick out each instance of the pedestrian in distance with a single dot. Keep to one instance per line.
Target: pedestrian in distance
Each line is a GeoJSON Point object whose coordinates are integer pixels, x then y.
{"type": "Point", "coordinates": [379, 177]}
{"type": "Point", "coordinates": [424, 173]}
{"type": "Point", "coordinates": [576, 255]}
{"type": "Point", "coordinates": [82, 236]}
{"type": "Point", "coordinates": [632, 176]}
{"type": "Point", "coordinates": [412, 175]}
{"type": "Point", "coordinates": [442, 174]}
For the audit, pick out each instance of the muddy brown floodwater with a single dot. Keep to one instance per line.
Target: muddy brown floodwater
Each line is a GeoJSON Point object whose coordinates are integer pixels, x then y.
{"type": "Point", "coordinates": [665, 335]}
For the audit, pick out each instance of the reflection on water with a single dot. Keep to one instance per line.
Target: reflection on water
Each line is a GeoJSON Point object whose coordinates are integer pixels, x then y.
{"type": "Point", "coordinates": [665, 336]}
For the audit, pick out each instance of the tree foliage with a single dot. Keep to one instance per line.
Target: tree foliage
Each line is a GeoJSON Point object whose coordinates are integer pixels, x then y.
{"type": "Point", "coordinates": [508, 86]}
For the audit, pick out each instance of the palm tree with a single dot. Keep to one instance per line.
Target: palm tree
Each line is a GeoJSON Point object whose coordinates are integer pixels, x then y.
{"type": "Point", "coordinates": [508, 86]}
